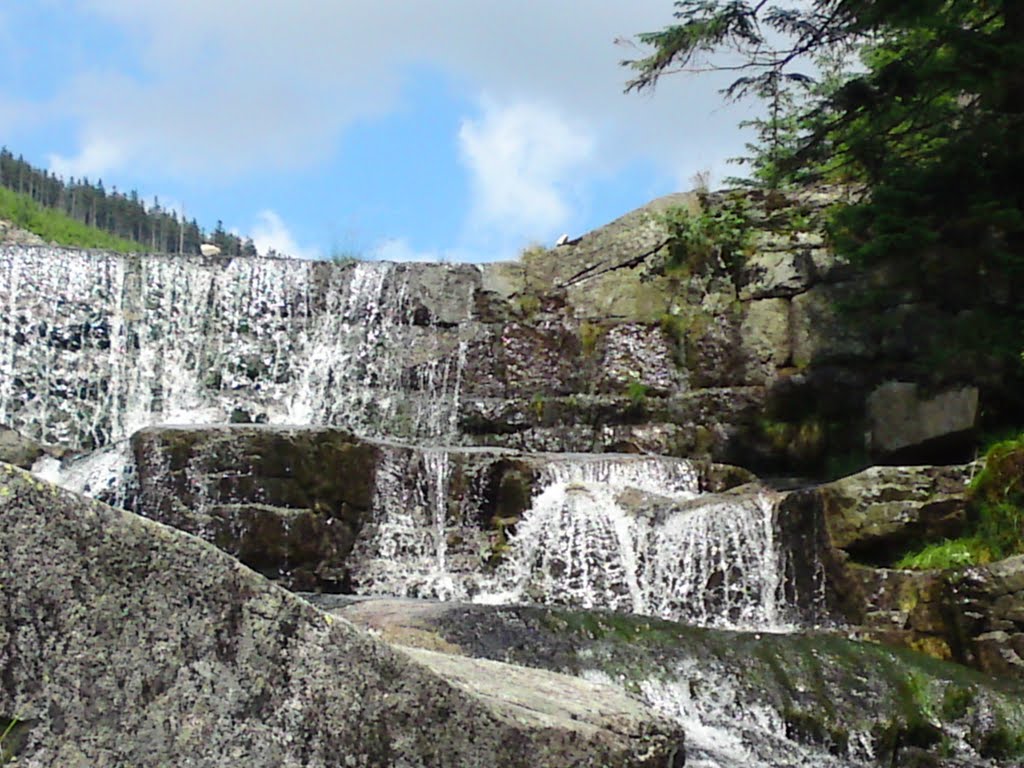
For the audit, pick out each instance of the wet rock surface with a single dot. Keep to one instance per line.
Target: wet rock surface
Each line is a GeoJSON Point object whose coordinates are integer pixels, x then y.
{"type": "Point", "coordinates": [875, 514]}
{"type": "Point", "coordinates": [286, 502]}
{"type": "Point", "coordinates": [124, 642]}
{"type": "Point", "coordinates": [813, 700]}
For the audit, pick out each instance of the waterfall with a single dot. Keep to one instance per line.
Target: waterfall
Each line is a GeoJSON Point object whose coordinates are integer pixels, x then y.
{"type": "Point", "coordinates": [94, 346]}
{"type": "Point", "coordinates": [404, 551]}
{"type": "Point", "coordinates": [107, 474]}
{"type": "Point", "coordinates": [623, 533]}
{"type": "Point", "coordinates": [707, 560]}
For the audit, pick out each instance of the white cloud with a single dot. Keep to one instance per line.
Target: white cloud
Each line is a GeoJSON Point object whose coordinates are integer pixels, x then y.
{"type": "Point", "coordinates": [224, 87]}
{"type": "Point", "coordinates": [399, 249]}
{"type": "Point", "coordinates": [271, 233]}
{"type": "Point", "coordinates": [95, 158]}
{"type": "Point", "coordinates": [524, 161]}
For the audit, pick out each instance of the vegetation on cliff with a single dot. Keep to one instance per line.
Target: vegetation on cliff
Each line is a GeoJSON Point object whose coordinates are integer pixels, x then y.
{"type": "Point", "coordinates": [56, 227]}
{"type": "Point", "coordinates": [928, 121]}
{"type": "Point", "coordinates": [996, 522]}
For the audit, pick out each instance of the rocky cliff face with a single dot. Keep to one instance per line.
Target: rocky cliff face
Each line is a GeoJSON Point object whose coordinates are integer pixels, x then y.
{"type": "Point", "coordinates": [599, 345]}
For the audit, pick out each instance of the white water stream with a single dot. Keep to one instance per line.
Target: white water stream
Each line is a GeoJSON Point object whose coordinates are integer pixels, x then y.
{"type": "Point", "coordinates": [623, 533]}
{"type": "Point", "coordinates": [95, 346]}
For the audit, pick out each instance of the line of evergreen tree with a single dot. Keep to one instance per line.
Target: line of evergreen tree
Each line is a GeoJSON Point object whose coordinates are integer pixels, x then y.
{"type": "Point", "coordinates": [123, 215]}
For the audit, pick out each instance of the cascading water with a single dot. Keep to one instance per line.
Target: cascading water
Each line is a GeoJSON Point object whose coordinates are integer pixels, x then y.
{"type": "Point", "coordinates": [709, 560]}
{"type": "Point", "coordinates": [131, 342]}
{"type": "Point", "coordinates": [727, 728]}
{"type": "Point", "coordinates": [107, 474]}
{"type": "Point", "coordinates": [96, 346]}
{"type": "Point", "coordinates": [404, 551]}
{"type": "Point", "coordinates": [624, 533]}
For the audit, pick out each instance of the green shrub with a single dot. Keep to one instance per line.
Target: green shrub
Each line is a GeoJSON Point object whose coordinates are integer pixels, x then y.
{"type": "Point", "coordinates": [637, 391]}
{"type": "Point", "coordinates": [720, 233]}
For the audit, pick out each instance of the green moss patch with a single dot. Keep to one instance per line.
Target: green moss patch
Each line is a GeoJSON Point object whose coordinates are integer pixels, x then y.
{"type": "Point", "coordinates": [995, 516]}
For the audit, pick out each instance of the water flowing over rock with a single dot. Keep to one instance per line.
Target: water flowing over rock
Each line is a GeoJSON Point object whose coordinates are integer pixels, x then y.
{"type": "Point", "coordinates": [540, 433]}
{"type": "Point", "coordinates": [626, 533]}
{"type": "Point", "coordinates": [710, 560]}
{"type": "Point", "coordinates": [320, 508]}
{"type": "Point", "coordinates": [747, 700]}
{"type": "Point", "coordinates": [100, 345]}
{"type": "Point", "coordinates": [124, 642]}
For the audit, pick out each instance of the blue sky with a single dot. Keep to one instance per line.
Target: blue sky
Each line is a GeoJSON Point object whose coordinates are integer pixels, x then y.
{"type": "Point", "coordinates": [462, 130]}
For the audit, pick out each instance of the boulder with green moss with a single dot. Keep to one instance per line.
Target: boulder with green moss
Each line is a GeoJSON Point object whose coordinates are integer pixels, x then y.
{"type": "Point", "coordinates": [750, 699]}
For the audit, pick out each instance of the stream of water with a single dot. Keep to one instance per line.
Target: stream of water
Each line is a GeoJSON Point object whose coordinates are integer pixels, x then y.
{"type": "Point", "coordinates": [96, 346]}
{"type": "Point", "coordinates": [623, 533]}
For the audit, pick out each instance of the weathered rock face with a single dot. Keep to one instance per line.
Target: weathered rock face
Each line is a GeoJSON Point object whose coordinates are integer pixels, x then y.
{"type": "Point", "coordinates": [905, 423]}
{"type": "Point", "coordinates": [811, 701]}
{"type": "Point", "coordinates": [124, 642]}
{"type": "Point", "coordinates": [871, 518]}
{"type": "Point", "coordinates": [17, 449]}
{"type": "Point", "coordinates": [875, 514]}
{"type": "Point", "coordinates": [974, 616]}
{"type": "Point", "coordinates": [909, 609]}
{"type": "Point", "coordinates": [286, 502]}
{"type": "Point", "coordinates": [987, 607]}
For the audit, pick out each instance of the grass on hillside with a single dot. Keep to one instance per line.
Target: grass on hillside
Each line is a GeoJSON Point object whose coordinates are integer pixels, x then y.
{"type": "Point", "coordinates": [56, 227]}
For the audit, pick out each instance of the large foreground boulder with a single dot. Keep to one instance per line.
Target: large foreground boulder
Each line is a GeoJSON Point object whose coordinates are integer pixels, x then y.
{"type": "Point", "coordinates": [124, 642]}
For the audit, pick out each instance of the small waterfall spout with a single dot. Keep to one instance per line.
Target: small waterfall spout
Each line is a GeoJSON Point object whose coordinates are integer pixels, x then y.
{"type": "Point", "coordinates": [405, 551]}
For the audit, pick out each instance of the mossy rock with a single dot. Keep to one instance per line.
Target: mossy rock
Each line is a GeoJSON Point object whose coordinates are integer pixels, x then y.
{"type": "Point", "coordinates": [829, 693]}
